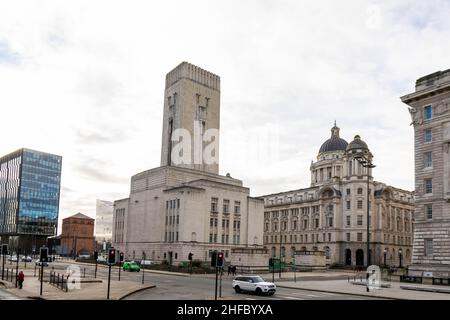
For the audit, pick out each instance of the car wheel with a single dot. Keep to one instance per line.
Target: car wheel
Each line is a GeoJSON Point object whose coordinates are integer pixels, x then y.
{"type": "Point", "coordinates": [258, 291]}
{"type": "Point", "coordinates": [237, 289]}
{"type": "Point", "coordinates": [271, 293]}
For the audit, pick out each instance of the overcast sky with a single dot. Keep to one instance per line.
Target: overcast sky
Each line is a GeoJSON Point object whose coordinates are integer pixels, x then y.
{"type": "Point", "coordinates": [85, 80]}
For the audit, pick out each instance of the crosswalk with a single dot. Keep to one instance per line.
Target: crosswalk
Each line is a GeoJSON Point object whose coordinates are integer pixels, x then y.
{"type": "Point", "coordinates": [4, 295]}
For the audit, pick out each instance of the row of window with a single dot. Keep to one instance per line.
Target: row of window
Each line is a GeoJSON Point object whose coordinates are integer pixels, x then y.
{"type": "Point", "coordinates": [297, 238]}
{"type": "Point", "coordinates": [213, 223]}
{"type": "Point", "coordinates": [172, 204]}
{"type": "Point", "coordinates": [171, 236]}
{"type": "Point", "coordinates": [224, 239]}
{"type": "Point", "coordinates": [225, 206]}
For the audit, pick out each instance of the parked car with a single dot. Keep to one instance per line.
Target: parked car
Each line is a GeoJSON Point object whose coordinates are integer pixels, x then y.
{"type": "Point", "coordinates": [130, 266]}
{"type": "Point", "coordinates": [26, 259]}
{"type": "Point", "coordinates": [254, 284]}
{"type": "Point", "coordinates": [84, 256]}
{"type": "Point", "coordinates": [101, 259]}
{"type": "Point", "coordinates": [12, 258]}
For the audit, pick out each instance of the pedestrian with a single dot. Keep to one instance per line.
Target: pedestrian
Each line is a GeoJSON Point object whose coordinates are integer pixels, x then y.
{"type": "Point", "coordinates": [233, 270]}
{"type": "Point", "coordinates": [229, 269]}
{"type": "Point", "coordinates": [20, 279]}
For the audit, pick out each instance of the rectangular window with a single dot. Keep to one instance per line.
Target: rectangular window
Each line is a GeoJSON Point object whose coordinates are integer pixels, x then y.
{"type": "Point", "coordinates": [215, 222]}
{"type": "Point", "coordinates": [226, 206]}
{"type": "Point", "coordinates": [178, 219]}
{"type": "Point", "coordinates": [178, 203]}
{"type": "Point", "coordinates": [301, 238]}
{"type": "Point", "coordinates": [223, 223]}
{"type": "Point", "coordinates": [348, 205]}
{"type": "Point", "coordinates": [429, 211]}
{"type": "Point", "coordinates": [359, 220]}
{"type": "Point", "coordinates": [348, 220]}
{"type": "Point", "coordinates": [427, 113]}
{"type": "Point", "coordinates": [323, 237]}
{"type": "Point", "coordinates": [316, 223]}
{"type": "Point", "coordinates": [428, 186]}
{"type": "Point", "coordinates": [210, 238]}
{"type": "Point", "coordinates": [237, 207]}
{"type": "Point", "coordinates": [348, 236]}
{"type": "Point", "coordinates": [330, 222]}
{"type": "Point", "coordinates": [211, 222]}
{"type": "Point", "coordinates": [359, 236]}
{"type": "Point", "coordinates": [360, 190]}
{"type": "Point", "coordinates": [177, 236]}
{"type": "Point", "coordinates": [294, 227]}
{"type": "Point", "coordinates": [428, 135]}
{"type": "Point", "coordinates": [214, 203]}
{"type": "Point", "coordinates": [428, 160]}
{"type": "Point", "coordinates": [360, 204]}
{"type": "Point", "coordinates": [348, 192]}
{"type": "Point", "coordinates": [223, 238]}
{"type": "Point", "coordinates": [215, 238]}
{"type": "Point", "coordinates": [306, 238]}
{"type": "Point", "coordinates": [428, 247]}
{"type": "Point", "coordinates": [329, 237]}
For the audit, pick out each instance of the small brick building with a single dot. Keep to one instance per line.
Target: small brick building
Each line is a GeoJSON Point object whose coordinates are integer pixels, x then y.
{"type": "Point", "coordinates": [77, 235]}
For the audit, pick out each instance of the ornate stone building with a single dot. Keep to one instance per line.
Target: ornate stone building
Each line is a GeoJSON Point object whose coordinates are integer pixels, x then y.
{"type": "Point", "coordinates": [185, 206]}
{"type": "Point", "coordinates": [330, 215]}
{"type": "Point", "coordinates": [430, 112]}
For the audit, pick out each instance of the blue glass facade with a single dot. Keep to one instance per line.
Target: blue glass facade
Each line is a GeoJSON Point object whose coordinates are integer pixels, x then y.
{"type": "Point", "coordinates": [29, 193]}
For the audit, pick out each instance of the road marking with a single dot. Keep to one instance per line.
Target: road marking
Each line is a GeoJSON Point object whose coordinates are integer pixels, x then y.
{"type": "Point", "coordinates": [249, 299]}
{"type": "Point", "coordinates": [293, 298]}
{"type": "Point", "coordinates": [313, 296]}
{"type": "Point", "coordinates": [328, 293]}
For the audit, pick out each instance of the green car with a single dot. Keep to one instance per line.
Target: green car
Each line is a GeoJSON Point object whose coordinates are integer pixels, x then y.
{"type": "Point", "coordinates": [131, 266]}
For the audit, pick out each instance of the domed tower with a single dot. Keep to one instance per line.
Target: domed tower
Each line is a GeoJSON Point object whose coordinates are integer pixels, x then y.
{"type": "Point", "coordinates": [329, 164]}
{"type": "Point", "coordinates": [357, 149]}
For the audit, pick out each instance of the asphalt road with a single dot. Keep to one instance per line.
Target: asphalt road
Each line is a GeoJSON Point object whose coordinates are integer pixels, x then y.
{"type": "Point", "coordinates": [198, 287]}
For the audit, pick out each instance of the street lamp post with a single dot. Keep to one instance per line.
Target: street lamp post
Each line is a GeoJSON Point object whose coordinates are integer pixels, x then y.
{"type": "Point", "coordinates": [367, 163]}
{"type": "Point", "coordinates": [400, 255]}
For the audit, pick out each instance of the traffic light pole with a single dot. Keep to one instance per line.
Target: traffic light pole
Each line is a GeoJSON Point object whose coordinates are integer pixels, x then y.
{"type": "Point", "coordinates": [109, 281]}
{"type": "Point", "coordinates": [95, 273]}
{"type": "Point", "coordinates": [220, 286]}
{"type": "Point", "coordinates": [120, 263]}
{"type": "Point", "coordinates": [215, 296]}
{"type": "Point", "coordinates": [42, 276]}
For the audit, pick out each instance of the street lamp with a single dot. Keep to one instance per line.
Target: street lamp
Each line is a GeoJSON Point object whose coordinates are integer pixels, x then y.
{"type": "Point", "coordinates": [400, 255]}
{"type": "Point", "coordinates": [367, 163]}
{"type": "Point", "coordinates": [385, 253]}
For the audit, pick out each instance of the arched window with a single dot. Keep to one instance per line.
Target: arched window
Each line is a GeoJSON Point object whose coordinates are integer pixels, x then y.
{"type": "Point", "coordinates": [292, 251]}
{"type": "Point", "coordinates": [283, 251]}
{"type": "Point", "coordinates": [193, 236]}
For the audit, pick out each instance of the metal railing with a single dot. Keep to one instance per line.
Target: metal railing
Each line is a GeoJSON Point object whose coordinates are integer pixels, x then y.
{"type": "Point", "coordinates": [411, 279]}
{"type": "Point", "coordinates": [9, 274]}
{"type": "Point", "coordinates": [59, 280]}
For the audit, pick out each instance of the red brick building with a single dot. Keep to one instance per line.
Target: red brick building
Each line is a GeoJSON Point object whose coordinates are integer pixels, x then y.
{"type": "Point", "coordinates": [77, 235]}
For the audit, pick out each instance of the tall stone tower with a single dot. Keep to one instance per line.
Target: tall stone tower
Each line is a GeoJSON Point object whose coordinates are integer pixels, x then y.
{"type": "Point", "coordinates": [430, 112]}
{"type": "Point", "coordinates": [191, 119]}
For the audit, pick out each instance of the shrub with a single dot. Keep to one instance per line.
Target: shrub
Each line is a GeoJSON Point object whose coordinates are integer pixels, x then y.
{"type": "Point", "coordinates": [196, 263]}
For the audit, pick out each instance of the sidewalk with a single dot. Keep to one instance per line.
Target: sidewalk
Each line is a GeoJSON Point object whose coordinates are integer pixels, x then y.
{"type": "Point", "coordinates": [344, 287]}
{"type": "Point", "coordinates": [88, 291]}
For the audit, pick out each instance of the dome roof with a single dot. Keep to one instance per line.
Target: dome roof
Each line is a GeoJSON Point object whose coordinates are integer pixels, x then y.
{"type": "Point", "coordinates": [357, 143]}
{"type": "Point", "coordinates": [335, 143]}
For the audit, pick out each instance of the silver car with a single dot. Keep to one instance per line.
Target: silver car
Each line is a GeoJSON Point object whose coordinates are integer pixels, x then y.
{"type": "Point", "coordinates": [254, 284]}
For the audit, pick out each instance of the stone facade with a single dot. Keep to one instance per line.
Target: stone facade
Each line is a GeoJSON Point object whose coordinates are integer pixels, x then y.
{"type": "Point", "coordinates": [331, 215]}
{"type": "Point", "coordinates": [77, 235]}
{"type": "Point", "coordinates": [430, 112]}
{"type": "Point", "coordinates": [182, 208]}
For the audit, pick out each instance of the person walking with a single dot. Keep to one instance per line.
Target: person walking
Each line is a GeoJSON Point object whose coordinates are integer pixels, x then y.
{"type": "Point", "coordinates": [20, 279]}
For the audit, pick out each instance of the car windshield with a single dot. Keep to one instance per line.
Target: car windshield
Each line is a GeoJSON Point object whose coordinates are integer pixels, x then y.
{"type": "Point", "coordinates": [257, 279]}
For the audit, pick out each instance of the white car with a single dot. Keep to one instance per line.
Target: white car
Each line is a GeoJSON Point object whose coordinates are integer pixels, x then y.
{"type": "Point", "coordinates": [254, 284]}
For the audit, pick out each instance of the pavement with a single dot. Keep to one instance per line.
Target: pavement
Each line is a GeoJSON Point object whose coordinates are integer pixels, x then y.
{"type": "Point", "coordinates": [89, 288]}
{"type": "Point", "coordinates": [397, 290]}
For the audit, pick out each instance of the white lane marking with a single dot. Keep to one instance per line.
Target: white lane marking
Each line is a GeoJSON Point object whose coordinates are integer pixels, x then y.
{"type": "Point", "coordinates": [249, 299]}
{"type": "Point", "coordinates": [293, 298]}
{"type": "Point", "coordinates": [328, 293]}
{"type": "Point", "coordinates": [312, 295]}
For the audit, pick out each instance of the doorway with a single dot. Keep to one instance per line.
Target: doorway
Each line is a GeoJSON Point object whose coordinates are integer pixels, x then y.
{"type": "Point", "coordinates": [348, 257]}
{"type": "Point", "coordinates": [359, 257]}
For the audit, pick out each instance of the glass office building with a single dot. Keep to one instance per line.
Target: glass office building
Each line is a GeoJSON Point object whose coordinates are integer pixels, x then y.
{"type": "Point", "coordinates": [29, 197]}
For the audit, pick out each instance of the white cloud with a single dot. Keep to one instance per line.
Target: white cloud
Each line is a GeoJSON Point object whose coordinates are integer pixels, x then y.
{"type": "Point", "coordinates": [88, 81]}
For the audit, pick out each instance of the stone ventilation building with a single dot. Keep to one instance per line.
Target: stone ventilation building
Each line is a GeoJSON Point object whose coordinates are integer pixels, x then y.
{"type": "Point", "coordinates": [330, 215]}
{"type": "Point", "coordinates": [187, 207]}
{"type": "Point", "coordinates": [430, 112]}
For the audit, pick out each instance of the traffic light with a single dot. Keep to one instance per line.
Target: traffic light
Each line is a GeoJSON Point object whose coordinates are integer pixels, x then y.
{"type": "Point", "coordinates": [112, 256]}
{"type": "Point", "coordinates": [43, 254]}
{"type": "Point", "coordinates": [121, 256]}
{"type": "Point", "coordinates": [220, 259]}
{"type": "Point", "coordinates": [4, 249]}
{"type": "Point", "coordinates": [190, 256]}
{"type": "Point", "coordinates": [95, 255]}
{"type": "Point", "coordinates": [214, 259]}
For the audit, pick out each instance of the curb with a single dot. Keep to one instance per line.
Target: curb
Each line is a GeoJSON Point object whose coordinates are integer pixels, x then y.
{"type": "Point", "coordinates": [434, 290]}
{"type": "Point", "coordinates": [135, 291]}
{"type": "Point", "coordinates": [338, 292]}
